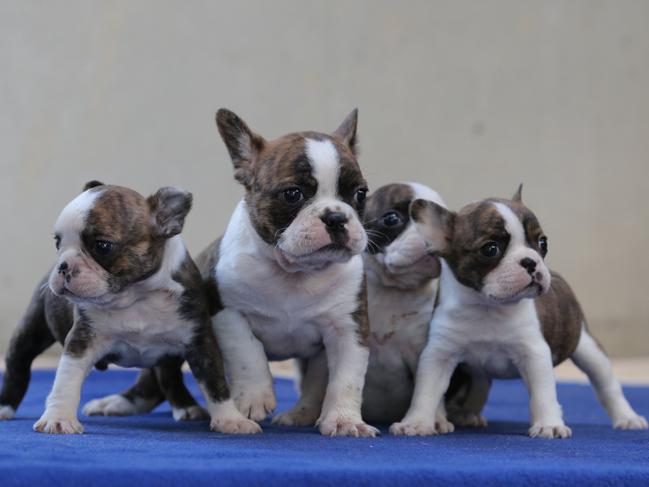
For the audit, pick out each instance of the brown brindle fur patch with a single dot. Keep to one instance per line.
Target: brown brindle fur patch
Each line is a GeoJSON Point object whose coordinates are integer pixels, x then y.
{"type": "Point", "coordinates": [391, 197]}
{"type": "Point", "coordinates": [206, 262]}
{"type": "Point", "coordinates": [361, 317]}
{"type": "Point", "coordinates": [122, 216]}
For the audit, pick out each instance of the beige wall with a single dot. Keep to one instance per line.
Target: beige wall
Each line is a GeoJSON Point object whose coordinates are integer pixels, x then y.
{"type": "Point", "coordinates": [469, 97]}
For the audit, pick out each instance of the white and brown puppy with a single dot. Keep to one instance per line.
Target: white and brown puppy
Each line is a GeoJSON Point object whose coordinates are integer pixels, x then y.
{"type": "Point", "coordinates": [136, 298]}
{"type": "Point", "coordinates": [502, 312]}
{"type": "Point", "coordinates": [289, 269]}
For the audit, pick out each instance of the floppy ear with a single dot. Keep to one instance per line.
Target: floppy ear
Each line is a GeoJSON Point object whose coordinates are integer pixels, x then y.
{"type": "Point", "coordinates": [242, 143]}
{"type": "Point", "coordinates": [169, 207]}
{"type": "Point", "coordinates": [518, 195]}
{"type": "Point", "coordinates": [434, 223]}
{"type": "Point", "coordinates": [347, 130]}
{"type": "Point", "coordinates": [91, 184]}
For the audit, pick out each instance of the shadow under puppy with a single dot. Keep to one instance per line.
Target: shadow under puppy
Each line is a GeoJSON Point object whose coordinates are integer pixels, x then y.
{"type": "Point", "coordinates": [124, 290]}
{"type": "Point", "coordinates": [503, 313]}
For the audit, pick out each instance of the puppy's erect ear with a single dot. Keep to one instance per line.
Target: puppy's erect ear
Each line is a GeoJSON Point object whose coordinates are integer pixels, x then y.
{"type": "Point", "coordinates": [434, 223]}
{"type": "Point", "coordinates": [169, 207]}
{"type": "Point", "coordinates": [242, 143]}
{"type": "Point", "coordinates": [518, 195]}
{"type": "Point", "coordinates": [347, 130]}
{"type": "Point", "coordinates": [91, 184]}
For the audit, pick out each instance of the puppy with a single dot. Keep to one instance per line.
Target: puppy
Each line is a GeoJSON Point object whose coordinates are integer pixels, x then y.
{"type": "Point", "coordinates": [502, 312]}
{"type": "Point", "coordinates": [135, 297]}
{"type": "Point", "coordinates": [289, 270]}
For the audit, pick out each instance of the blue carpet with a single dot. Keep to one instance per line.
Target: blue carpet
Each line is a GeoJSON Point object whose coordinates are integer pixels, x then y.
{"type": "Point", "coordinates": [153, 450]}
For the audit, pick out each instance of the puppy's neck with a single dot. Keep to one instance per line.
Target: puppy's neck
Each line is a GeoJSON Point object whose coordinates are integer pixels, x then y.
{"type": "Point", "coordinates": [378, 276]}
{"type": "Point", "coordinates": [453, 295]}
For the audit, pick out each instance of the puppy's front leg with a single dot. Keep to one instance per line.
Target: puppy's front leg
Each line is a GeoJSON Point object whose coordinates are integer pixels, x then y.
{"type": "Point", "coordinates": [347, 360]}
{"type": "Point", "coordinates": [246, 365]}
{"type": "Point", "coordinates": [82, 349]}
{"type": "Point", "coordinates": [535, 365]}
{"type": "Point", "coordinates": [204, 359]}
{"type": "Point", "coordinates": [427, 415]}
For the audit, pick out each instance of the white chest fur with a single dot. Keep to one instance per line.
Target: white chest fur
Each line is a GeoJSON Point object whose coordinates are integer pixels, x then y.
{"type": "Point", "coordinates": [143, 332]}
{"type": "Point", "coordinates": [489, 338]}
{"type": "Point", "coordinates": [285, 310]}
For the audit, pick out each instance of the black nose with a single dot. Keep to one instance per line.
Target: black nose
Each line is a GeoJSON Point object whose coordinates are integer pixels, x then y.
{"type": "Point", "coordinates": [528, 264]}
{"type": "Point", "coordinates": [335, 220]}
{"type": "Point", "coordinates": [63, 267]}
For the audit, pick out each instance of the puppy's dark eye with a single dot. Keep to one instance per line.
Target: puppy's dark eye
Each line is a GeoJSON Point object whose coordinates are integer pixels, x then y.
{"type": "Point", "coordinates": [293, 195]}
{"type": "Point", "coordinates": [360, 196]}
{"type": "Point", "coordinates": [490, 249]}
{"type": "Point", "coordinates": [57, 241]}
{"type": "Point", "coordinates": [103, 247]}
{"type": "Point", "coordinates": [543, 245]}
{"type": "Point", "coordinates": [391, 219]}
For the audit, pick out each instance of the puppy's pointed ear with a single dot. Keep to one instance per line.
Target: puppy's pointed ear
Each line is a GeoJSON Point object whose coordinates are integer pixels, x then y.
{"type": "Point", "coordinates": [434, 222]}
{"type": "Point", "coordinates": [242, 143]}
{"type": "Point", "coordinates": [169, 207]}
{"type": "Point", "coordinates": [91, 184]}
{"type": "Point", "coordinates": [518, 195]}
{"type": "Point", "coordinates": [347, 130]}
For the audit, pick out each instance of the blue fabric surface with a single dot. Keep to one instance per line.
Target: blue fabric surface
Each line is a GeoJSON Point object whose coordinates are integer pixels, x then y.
{"type": "Point", "coordinates": [153, 450]}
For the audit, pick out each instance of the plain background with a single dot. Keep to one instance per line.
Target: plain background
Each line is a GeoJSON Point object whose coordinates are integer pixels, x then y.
{"type": "Point", "coordinates": [469, 97]}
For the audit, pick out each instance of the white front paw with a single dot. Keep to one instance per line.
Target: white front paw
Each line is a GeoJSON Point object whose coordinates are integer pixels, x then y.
{"type": "Point", "coordinates": [630, 422]}
{"type": "Point", "coordinates": [58, 424]}
{"type": "Point", "coordinates": [6, 412]}
{"type": "Point", "coordinates": [235, 426]}
{"type": "Point", "coordinates": [255, 402]}
{"type": "Point", "coordinates": [191, 413]}
{"type": "Point", "coordinates": [298, 416]}
{"type": "Point", "coordinates": [422, 427]}
{"type": "Point", "coordinates": [549, 431]}
{"type": "Point", "coordinates": [340, 426]}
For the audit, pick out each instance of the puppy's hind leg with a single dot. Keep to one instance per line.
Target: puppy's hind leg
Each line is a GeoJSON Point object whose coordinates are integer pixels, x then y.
{"type": "Point", "coordinates": [141, 397]}
{"type": "Point", "coordinates": [592, 360]}
{"type": "Point", "coordinates": [31, 338]}
{"type": "Point", "coordinates": [170, 379]}
{"type": "Point", "coordinates": [313, 386]}
{"type": "Point", "coordinates": [466, 410]}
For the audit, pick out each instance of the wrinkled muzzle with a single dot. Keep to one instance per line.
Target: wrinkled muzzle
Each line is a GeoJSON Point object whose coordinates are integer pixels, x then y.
{"type": "Point", "coordinates": [521, 273]}
{"type": "Point", "coordinates": [78, 278]}
{"type": "Point", "coordinates": [322, 233]}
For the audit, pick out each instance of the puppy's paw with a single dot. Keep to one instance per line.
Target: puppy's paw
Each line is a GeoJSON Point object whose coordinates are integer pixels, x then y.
{"type": "Point", "coordinates": [191, 413]}
{"type": "Point", "coordinates": [298, 416]}
{"type": "Point", "coordinates": [117, 405]}
{"type": "Point", "coordinates": [55, 425]}
{"type": "Point", "coordinates": [550, 431]}
{"type": "Point", "coordinates": [6, 412]}
{"type": "Point", "coordinates": [235, 426]}
{"type": "Point", "coordinates": [443, 425]}
{"type": "Point", "coordinates": [338, 426]}
{"type": "Point", "coordinates": [424, 427]}
{"type": "Point", "coordinates": [631, 422]}
{"type": "Point", "coordinates": [468, 419]}
{"type": "Point", "coordinates": [255, 402]}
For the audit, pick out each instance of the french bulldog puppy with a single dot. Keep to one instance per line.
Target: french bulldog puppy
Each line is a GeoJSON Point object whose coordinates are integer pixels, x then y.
{"type": "Point", "coordinates": [135, 298]}
{"type": "Point", "coordinates": [503, 313]}
{"type": "Point", "coordinates": [289, 271]}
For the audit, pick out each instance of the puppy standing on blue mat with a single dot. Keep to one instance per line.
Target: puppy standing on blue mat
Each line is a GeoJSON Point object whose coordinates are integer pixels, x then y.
{"type": "Point", "coordinates": [504, 314]}
{"type": "Point", "coordinates": [124, 290]}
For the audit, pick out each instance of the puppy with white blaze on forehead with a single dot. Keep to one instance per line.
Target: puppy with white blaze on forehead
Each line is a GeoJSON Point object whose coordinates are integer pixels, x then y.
{"type": "Point", "coordinates": [289, 271]}
{"type": "Point", "coordinates": [504, 314]}
{"type": "Point", "coordinates": [124, 290]}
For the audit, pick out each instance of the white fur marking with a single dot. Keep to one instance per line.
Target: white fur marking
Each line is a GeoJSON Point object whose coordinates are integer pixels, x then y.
{"type": "Point", "coordinates": [326, 167]}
